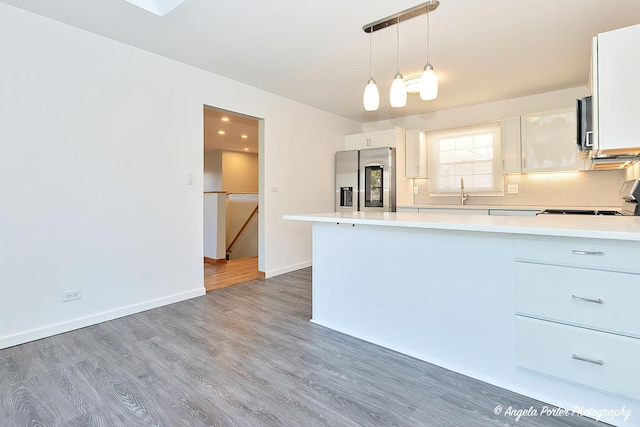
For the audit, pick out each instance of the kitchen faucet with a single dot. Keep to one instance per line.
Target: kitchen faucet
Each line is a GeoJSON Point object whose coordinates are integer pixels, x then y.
{"type": "Point", "coordinates": [463, 197]}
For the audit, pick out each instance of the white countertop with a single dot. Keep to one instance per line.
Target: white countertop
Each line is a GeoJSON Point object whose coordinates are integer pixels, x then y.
{"type": "Point", "coordinates": [587, 226]}
{"type": "Point", "coordinates": [511, 208]}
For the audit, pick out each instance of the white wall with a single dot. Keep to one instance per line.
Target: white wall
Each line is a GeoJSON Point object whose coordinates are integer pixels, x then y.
{"type": "Point", "coordinates": [97, 139]}
{"type": "Point", "coordinates": [215, 226]}
{"type": "Point", "coordinates": [239, 172]}
{"type": "Point", "coordinates": [212, 180]}
{"type": "Point", "coordinates": [483, 113]}
{"type": "Point", "coordinates": [230, 171]}
{"type": "Point", "coordinates": [299, 178]}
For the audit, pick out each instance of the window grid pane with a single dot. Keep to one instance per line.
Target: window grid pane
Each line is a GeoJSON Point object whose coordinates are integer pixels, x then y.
{"type": "Point", "coordinates": [467, 155]}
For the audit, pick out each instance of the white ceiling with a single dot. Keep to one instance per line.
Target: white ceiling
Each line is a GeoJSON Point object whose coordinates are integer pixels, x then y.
{"type": "Point", "coordinates": [315, 52]}
{"type": "Point", "coordinates": [234, 128]}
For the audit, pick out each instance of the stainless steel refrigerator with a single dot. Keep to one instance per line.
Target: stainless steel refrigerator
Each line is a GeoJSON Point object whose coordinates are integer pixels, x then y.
{"type": "Point", "coordinates": [366, 180]}
{"type": "Point", "coordinates": [347, 163]}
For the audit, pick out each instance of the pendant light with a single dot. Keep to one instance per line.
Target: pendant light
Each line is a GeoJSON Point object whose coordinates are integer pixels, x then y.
{"type": "Point", "coordinates": [426, 83]}
{"type": "Point", "coordinates": [371, 97]}
{"type": "Point", "coordinates": [429, 80]}
{"type": "Point", "coordinates": [398, 92]}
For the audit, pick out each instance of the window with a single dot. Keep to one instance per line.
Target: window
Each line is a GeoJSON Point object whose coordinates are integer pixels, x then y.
{"type": "Point", "coordinates": [470, 154]}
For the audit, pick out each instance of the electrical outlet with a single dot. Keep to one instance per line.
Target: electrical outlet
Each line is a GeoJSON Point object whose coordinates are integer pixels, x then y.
{"type": "Point", "coordinates": [72, 295]}
{"type": "Point", "coordinates": [416, 190]}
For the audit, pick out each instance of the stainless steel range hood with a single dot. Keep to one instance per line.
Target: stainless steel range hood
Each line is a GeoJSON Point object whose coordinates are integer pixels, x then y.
{"type": "Point", "coordinates": [613, 161]}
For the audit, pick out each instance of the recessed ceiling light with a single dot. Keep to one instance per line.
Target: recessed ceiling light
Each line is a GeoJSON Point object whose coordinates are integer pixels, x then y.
{"type": "Point", "coordinates": [244, 136]}
{"type": "Point", "coordinates": [246, 149]}
{"type": "Point", "coordinates": [221, 132]}
{"type": "Point", "coordinates": [225, 119]}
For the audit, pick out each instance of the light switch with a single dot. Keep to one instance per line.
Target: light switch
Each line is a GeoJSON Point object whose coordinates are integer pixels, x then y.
{"type": "Point", "coordinates": [274, 189]}
{"type": "Point", "coordinates": [190, 178]}
{"type": "Point", "coordinates": [512, 189]}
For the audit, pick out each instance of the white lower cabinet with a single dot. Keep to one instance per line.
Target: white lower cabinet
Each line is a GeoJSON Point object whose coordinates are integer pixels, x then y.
{"type": "Point", "coordinates": [576, 315]}
{"type": "Point", "coordinates": [461, 211]}
{"type": "Point", "coordinates": [514, 212]}
{"type": "Point", "coordinates": [470, 210]}
{"type": "Point", "coordinates": [410, 210]}
{"type": "Point", "coordinates": [595, 359]}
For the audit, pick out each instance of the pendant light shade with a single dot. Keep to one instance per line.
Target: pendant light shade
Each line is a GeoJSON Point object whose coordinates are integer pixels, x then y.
{"type": "Point", "coordinates": [428, 84]}
{"type": "Point", "coordinates": [398, 92]}
{"type": "Point", "coordinates": [429, 80]}
{"type": "Point", "coordinates": [371, 97]}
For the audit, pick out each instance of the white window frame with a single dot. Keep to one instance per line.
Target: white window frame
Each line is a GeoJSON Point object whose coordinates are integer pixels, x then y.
{"type": "Point", "coordinates": [472, 153]}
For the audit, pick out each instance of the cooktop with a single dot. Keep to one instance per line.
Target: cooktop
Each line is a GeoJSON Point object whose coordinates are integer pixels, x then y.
{"type": "Point", "coordinates": [578, 212]}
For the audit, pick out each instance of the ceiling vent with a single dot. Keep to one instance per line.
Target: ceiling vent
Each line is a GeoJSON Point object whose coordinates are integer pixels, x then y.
{"type": "Point", "coordinates": [158, 7]}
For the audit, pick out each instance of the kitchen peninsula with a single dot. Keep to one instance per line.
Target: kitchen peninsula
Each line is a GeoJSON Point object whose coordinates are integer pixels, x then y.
{"type": "Point", "coordinates": [544, 306]}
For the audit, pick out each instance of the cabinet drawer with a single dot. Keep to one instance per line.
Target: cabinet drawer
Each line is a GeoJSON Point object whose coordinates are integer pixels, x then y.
{"type": "Point", "coordinates": [597, 299]}
{"type": "Point", "coordinates": [596, 359]}
{"type": "Point", "coordinates": [612, 255]}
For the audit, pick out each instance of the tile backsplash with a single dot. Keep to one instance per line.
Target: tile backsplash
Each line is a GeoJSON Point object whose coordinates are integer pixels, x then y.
{"type": "Point", "coordinates": [588, 189]}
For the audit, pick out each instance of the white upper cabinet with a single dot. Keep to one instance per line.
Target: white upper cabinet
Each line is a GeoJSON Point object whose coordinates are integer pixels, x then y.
{"type": "Point", "coordinates": [416, 154]}
{"type": "Point", "coordinates": [616, 89]}
{"type": "Point", "coordinates": [382, 138]}
{"type": "Point", "coordinates": [541, 142]}
{"type": "Point", "coordinates": [549, 142]}
{"type": "Point", "coordinates": [510, 145]}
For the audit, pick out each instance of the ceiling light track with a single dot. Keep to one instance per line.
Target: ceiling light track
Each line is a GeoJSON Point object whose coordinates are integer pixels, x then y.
{"type": "Point", "coordinates": [421, 9]}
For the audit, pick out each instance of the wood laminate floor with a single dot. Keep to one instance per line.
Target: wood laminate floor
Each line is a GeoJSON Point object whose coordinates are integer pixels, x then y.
{"type": "Point", "coordinates": [245, 355]}
{"type": "Point", "coordinates": [217, 276]}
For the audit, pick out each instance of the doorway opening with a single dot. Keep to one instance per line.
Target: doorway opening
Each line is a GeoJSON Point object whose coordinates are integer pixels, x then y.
{"type": "Point", "coordinates": [231, 198]}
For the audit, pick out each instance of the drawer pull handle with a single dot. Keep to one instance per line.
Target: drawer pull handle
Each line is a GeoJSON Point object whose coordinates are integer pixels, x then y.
{"type": "Point", "coordinates": [585, 359]}
{"type": "Point", "coordinates": [587, 253]}
{"type": "Point", "coordinates": [596, 301]}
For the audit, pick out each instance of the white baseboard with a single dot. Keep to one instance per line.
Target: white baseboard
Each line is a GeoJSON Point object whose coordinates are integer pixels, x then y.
{"type": "Point", "coordinates": [289, 269]}
{"type": "Point", "coordinates": [81, 322]}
